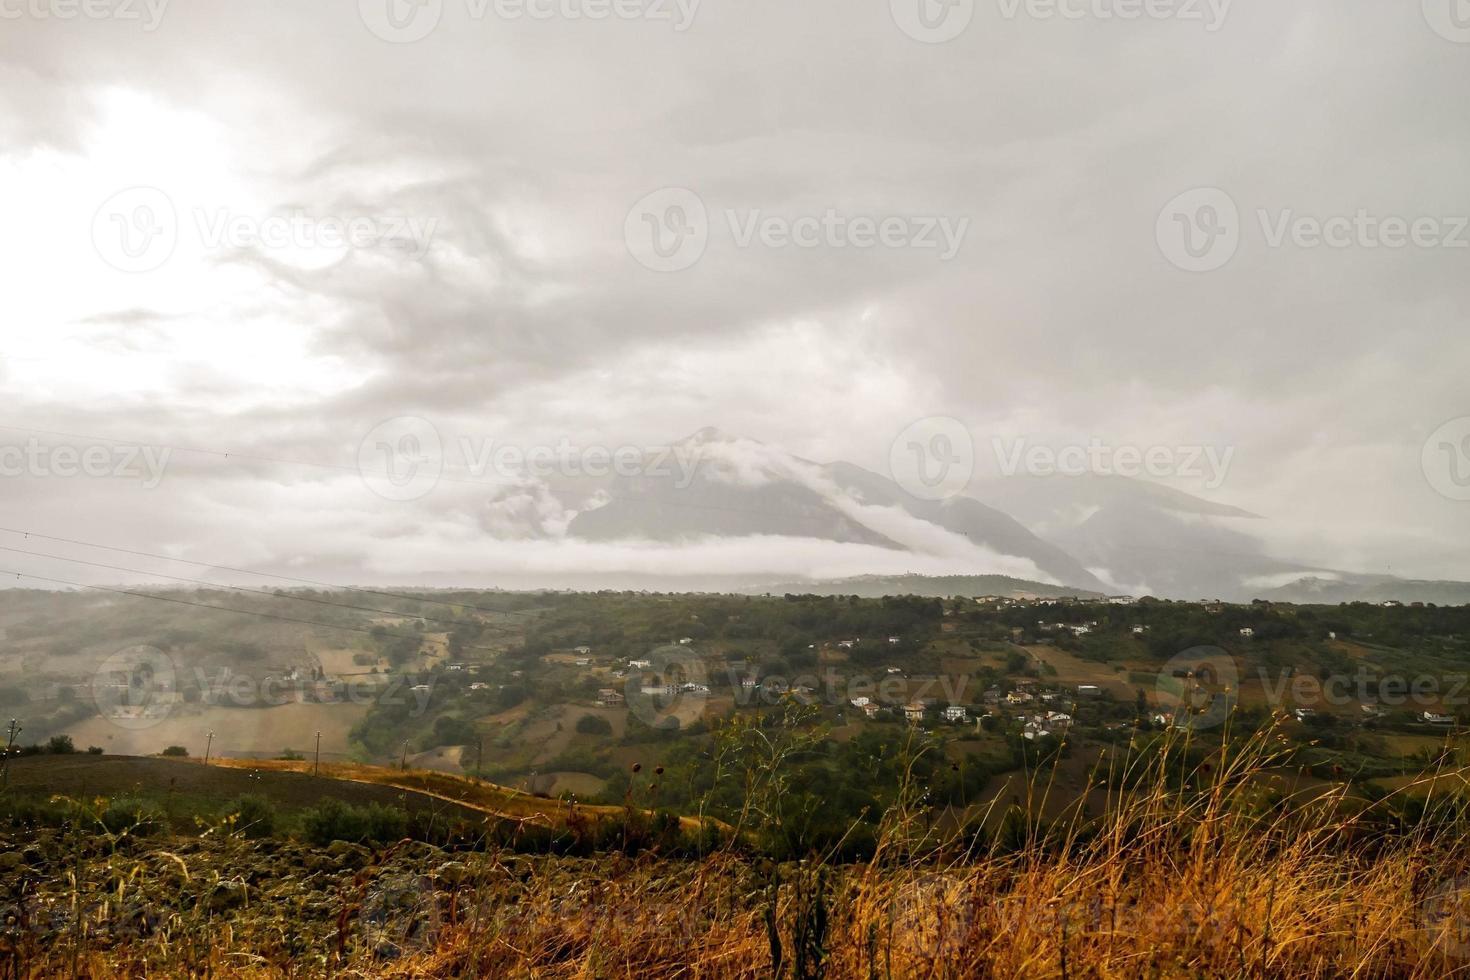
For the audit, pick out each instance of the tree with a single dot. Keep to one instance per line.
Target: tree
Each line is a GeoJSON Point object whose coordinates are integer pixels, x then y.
{"type": "Point", "coordinates": [60, 745]}
{"type": "Point", "coordinates": [593, 725]}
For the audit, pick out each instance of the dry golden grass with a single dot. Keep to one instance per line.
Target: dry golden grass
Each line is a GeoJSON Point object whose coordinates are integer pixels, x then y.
{"type": "Point", "coordinates": [1194, 872]}
{"type": "Point", "coordinates": [489, 798]}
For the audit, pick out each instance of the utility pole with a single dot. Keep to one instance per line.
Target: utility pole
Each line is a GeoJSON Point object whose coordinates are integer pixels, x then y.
{"type": "Point", "coordinates": [208, 744]}
{"type": "Point", "coordinates": [479, 755]}
{"type": "Point", "coordinates": [15, 730]}
{"type": "Point", "coordinates": [404, 764]}
{"type": "Point", "coordinates": [317, 769]}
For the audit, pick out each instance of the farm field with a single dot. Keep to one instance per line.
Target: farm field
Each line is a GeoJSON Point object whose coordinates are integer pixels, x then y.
{"type": "Point", "coordinates": [254, 732]}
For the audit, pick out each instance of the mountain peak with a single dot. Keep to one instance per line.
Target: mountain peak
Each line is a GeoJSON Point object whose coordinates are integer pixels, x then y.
{"type": "Point", "coordinates": [710, 434]}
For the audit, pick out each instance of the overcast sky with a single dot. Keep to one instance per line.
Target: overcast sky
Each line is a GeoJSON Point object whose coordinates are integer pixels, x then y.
{"type": "Point", "coordinates": [881, 226]}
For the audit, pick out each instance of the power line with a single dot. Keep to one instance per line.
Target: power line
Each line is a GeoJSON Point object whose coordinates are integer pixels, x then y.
{"type": "Point", "coordinates": [247, 571]}
{"type": "Point", "coordinates": [228, 609]}
{"type": "Point", "coordinates": [238, 588]}
{"type": "Point", "coordinates": [223, 453]}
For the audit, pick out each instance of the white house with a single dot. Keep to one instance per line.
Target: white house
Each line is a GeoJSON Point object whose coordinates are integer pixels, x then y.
{"type": "Point", "coordinates": [1089, 691]}
{"type": "Point", "coordinates": [914, 712]}
{"type": "Point", "coordinates": [1434, 718]}
{"type": "Point", "coordinates": [641, 664]}
{"type": "Point", "coordinates": [861, 702]}
{"type": "Point", "coordinates": [956, 713]}
{"type": "Point", "coordinates": [1247, 632]}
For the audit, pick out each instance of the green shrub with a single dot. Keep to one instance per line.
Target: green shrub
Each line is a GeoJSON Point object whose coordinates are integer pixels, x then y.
{"type": "Point", "coordinates": [135, 816]}
{"type": "Point", "coordinates": [334, 820]}
{"type": "Point", "coordinates": [386, 824]}
{"type": "Point", "coordinates": [330, 820]}
{"type": "Point", "coordinates": [254, 815]}
{"type": "Point", "coordinates": [61, 745]}
{"type": "Point", "coordinates": [176, 751]}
